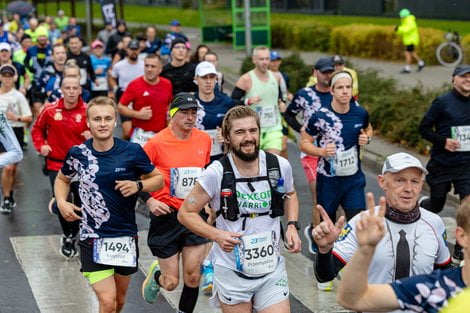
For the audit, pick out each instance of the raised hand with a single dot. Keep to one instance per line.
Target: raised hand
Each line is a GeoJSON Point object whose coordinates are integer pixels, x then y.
{"type": "Point", "coordinates": [370, 229]}
{"type": "Point", "coordinates": [326, 233]}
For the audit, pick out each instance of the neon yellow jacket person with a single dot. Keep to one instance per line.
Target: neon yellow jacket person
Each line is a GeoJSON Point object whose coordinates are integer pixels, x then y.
{"type": "Point", "coordinates": [408, 28]}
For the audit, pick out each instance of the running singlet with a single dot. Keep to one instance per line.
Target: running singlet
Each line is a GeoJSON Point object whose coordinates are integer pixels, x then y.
{"type": "Point", "coordinates": [210, 116]}
{"type": "Point", "coordinates": [179, 161]}
{"type": "Point", "coordinates": [343, 130]}
{"type": "Point", "coordinates": [264, 227]}
{"type": "Point", "coordinates": [426, 241]}
{"type": "Point", "coordinates": [428, 293]}
{"type": "Point", "coordinates": [105, 211]}
{"type": "Point", "coordinates": [268, 108]}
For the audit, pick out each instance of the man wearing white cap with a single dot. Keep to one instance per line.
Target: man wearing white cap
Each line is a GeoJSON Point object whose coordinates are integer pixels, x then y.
{"type": "Point", "coordinates": [150, 96]}
{"type": "Point", "coordinates": [213, 105]}
{"type": "Point", "coordinates": [415, 240]}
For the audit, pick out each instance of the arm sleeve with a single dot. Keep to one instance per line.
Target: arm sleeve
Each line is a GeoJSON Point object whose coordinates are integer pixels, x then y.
{"type": "Point", "coordinates": [443, 259]}
{"type": "Point", "coordinates": [13, 153]}
{"type": "Point", "coordinates": [128, 95]}
{"type": "Point", "coordinates": [237, 96]}
{"type": "Point", "coordinates": [291, 120]}
{"type": "Point", "coordinates": [27, 62]}
{"type": "Point", "coordinates": [327, 266]}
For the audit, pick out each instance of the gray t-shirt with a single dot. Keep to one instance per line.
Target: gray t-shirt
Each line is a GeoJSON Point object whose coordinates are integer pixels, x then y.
{"type": "Point", "coordinates": [125, 72]}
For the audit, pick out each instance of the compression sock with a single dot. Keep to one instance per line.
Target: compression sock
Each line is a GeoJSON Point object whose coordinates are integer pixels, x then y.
{"type": "Point", "coordinates": [188, 299]}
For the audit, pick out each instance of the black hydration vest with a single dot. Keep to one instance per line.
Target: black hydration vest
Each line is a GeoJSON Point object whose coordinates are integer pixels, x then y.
{"type": "Point", "coordinates": [228, 191]}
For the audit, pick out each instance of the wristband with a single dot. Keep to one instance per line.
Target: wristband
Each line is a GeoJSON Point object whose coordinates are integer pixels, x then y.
{"type": "Point", "coordinates": [248, 101]}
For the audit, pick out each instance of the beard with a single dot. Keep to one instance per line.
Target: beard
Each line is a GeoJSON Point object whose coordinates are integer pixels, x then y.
{"type": "Point", "coordinates": [133, 57]}
{"type": "Point", "coordinates": [247, 157]}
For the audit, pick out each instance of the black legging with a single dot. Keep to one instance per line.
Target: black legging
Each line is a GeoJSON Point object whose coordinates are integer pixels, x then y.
{"type": "Point", "coordinates": [69, 229]}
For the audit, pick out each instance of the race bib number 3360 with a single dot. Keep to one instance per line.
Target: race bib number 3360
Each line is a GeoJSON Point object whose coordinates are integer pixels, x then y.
{"type": "Point", "coordinates": [119, 251]}
{"type": "Point", "coordinates": [259, 254]}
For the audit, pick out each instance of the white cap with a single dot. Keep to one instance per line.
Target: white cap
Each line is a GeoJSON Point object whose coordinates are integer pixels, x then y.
{"type": "Point", "coordinates": [399, 161]}
{"type": "Point", "coordinates": [5, 46]}
{"type": "Point", "coordinates": [205, 68]}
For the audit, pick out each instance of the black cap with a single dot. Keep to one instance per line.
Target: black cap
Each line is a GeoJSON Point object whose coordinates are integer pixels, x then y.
{"type": "Point", "coordinates": [7, 69]}
{"type": "Point", "coordinates": [184, 101]}
{"type": "Point", "coordinates": [461, 70]}
{"type": "Point", "coordinates": [177, 41]}
{"type": "Point", "coordinates": [337, 59]}
{"type": "Point", "coordinates": [324, 65]}
{"type": "Point", "coordinates": [133, 44]}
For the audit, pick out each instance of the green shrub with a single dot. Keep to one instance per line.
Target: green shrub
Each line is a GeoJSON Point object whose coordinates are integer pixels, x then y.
{"type": "Point", "coordinates": [395, 114]}
{"type": "Point", "coordinates": [301, 35]}
{"type": "Point", "coordinates": [465, 41]}
{"type": "Point", "coordinates": [293, 66]}
{"type": "Point", "coordinates": [381, 42]}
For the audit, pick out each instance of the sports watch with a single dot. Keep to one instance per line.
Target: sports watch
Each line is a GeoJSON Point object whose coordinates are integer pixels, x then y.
{"type": "Point", "coordinates": [140, 185]}
{"type": "Point", "coordinates": [295, 223]}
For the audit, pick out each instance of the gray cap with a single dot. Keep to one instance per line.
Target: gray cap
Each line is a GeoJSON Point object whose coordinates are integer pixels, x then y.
{"type": "Point", "coordinates": [399, 161]}
{"type": "Point", "coordinates": [461, 70]}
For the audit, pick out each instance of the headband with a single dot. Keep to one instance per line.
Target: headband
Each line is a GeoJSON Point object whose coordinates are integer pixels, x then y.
{"type": "Point", "coordinates": [173, 112]}
{"type": "Point", "coordinates": [339, 76]}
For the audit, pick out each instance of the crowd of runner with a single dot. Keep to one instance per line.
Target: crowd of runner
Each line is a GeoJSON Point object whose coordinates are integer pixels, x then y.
{"type": "Point", "coordinates": [213, 171]}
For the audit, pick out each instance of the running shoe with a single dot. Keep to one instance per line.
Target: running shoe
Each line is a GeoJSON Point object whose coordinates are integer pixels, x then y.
{"type": "Point", "coordinates": [326, 286]}
{"type": "Point", "coordinates": [68, 249]}
{"type": "Point", "coordinates": [7, 206]}
{"type": "Point", "coordinates": [405, 71]}
{"type": "Point", "coordinates": [150, 287]}
{"type": "Point", "coordinates": [207, 278]}
{"type": "Point", "coordinates": [421, 65]}
{"type": "Point", "coordinates": [312, 246]}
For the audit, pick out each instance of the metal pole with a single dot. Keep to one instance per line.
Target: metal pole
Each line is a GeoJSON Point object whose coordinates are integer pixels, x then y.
{"type": "Point", "coordinates": [88, 18]}
{"type": "Point", "coordinates": [247, 27]}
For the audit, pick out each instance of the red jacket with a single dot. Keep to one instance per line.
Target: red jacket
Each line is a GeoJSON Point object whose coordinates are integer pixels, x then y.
{"type": "Point", "coordinates": [60, 129]}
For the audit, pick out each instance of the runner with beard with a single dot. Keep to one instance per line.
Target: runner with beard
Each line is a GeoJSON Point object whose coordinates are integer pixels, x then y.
{"type": "Point", "coordinates": [249, 271]}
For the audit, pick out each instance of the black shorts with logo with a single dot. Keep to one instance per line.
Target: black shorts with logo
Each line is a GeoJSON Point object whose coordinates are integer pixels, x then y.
{"type": "Point", "coordinates": [167, 236]}
{"type": "Point", "coordinates": [88, 265]}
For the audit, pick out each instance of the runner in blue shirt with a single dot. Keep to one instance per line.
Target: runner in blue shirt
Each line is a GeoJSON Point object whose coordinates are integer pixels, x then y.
{"type": "Point", "coordinates": [339, 129]}
{"type": "Point", "coordinates": [110, 172]}
{"type": "Point", "coordinates": [213, 106]}
{"type": "Point", "coordinates": [101, 64]}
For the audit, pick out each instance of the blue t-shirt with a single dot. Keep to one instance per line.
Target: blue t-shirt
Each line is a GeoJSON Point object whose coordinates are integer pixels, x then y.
{"type": "Point", "coordinates": [342, 129]}
{"type": "Point", "coordinates": [211, 114]}
{"type": "Point", "coordinates": [152, 46]}
{"type": "Point", "coordinates": [105, 211]}
{"type": "Point", "coordinates": [308, 100]}
{"type": "Point", "coordinates": [104, 62]}
{"type": "Point", "coordinates": [428, 293]}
